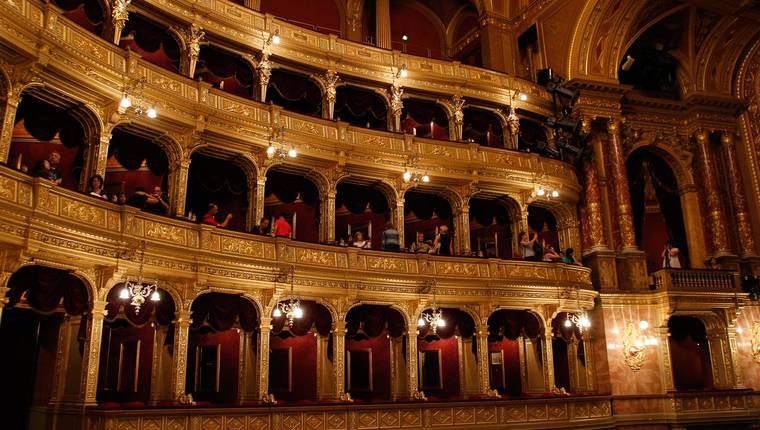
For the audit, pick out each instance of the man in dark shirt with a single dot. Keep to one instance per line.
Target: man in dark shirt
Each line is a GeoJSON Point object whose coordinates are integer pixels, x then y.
{"type": "Point", "coordinates": [156, 203]}
{"type": "Point", "coordinates": [48, 168]}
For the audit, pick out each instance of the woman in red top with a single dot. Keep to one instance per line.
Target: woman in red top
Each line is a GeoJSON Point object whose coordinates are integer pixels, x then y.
{"type": "Point", "coordinates": [209, 217]}
{"type": "Point", "coordinates": [282, 227]}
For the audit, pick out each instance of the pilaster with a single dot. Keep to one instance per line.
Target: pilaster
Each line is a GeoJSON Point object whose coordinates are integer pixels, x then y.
{"type": "Point", "coordinates": [411, 362]}
{"type": "Point", "coordinates": [265, 329]}
{"type": "Point", "coordinates": [8, 115]}
{"type": "Point", "coordinates": [259, 196]}
{"type": "Point", "coordinates": [483, 373]}
{"type": "Point", "coordinates": [178, 182]}
{"type": "Point", "coordinates": [91, 354]}
{"type": "Point", "coordinates": [339, 358]}
{"type": "Point", "coordinates": [179, 366]}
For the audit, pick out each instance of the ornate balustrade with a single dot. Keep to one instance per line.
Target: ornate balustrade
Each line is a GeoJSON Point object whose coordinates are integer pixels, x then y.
{"type": "Point", "coordinates": [78, 63]}
{"type": "Point", "coordinates": [50, 221]}
{"type": "Point", "coordinates": [696, 280]}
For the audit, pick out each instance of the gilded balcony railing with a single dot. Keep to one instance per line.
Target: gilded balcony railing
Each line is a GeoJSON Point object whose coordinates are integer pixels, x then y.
{"type": "Point", "coordinates": [696, 280]}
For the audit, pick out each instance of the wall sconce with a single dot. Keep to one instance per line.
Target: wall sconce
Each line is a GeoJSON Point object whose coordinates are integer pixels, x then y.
{"type": "Point", "coordinates": [635, 344]}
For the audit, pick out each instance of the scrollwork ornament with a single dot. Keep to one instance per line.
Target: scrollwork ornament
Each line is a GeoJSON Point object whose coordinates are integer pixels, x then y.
{"type": "Point", "coordinates": [119, 10]}
{"type": "Point", "coordinates": [755, 343]}
{"type": "Point", "coordinates": [634, 349]}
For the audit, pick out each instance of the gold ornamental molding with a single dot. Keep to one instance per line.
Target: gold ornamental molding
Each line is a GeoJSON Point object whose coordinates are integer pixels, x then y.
{"type": "Point", "coordinates": [755, 342]}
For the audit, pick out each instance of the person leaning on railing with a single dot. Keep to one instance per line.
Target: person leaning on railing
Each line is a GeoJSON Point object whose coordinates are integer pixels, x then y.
{"type": "Point", "coordinates": [391, 238]}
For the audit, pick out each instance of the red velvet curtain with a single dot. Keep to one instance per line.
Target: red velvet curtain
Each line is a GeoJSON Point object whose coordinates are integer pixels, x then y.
{"type": "Point", "coordinates": [46, 288]}
{"type": "Point", "coordinates": [559, 329]}
{"type": "Point", "coordinates": [163, 310]}
{"type": "Point", "coordinates": [86, 13]}
{"type": "Point", "coordinates": [483, 127]}
{"type": "Point", "coordinates": [151, 41]}
{"type": "Point", "coordinates": [374, 320]}
{"type": "Point", "coordinates": [221, 182]}
{"type": "Point", "coordinates": [216, 65]}
{"type": "Point", "coordinates": [295, 92]}
{"type": "Point", "coordinates": [221, 311]}
{"type": "Point", "coordinates": [513, 324]}
{"type": "Point", "coordinates": [689, 353]}
{"type": "Point", "coordinates": [314, 315]}
{"type": "Point", "coordinates": [457, 322]}
{"type": "Point", "coordinates": [360, 107]}
{"type": "Point", "coordinates": [425, 118]}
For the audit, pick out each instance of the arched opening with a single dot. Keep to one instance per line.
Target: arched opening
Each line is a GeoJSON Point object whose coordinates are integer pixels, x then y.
{"type": "Point", "coordinates": [86, 13]}
{"type": "Point", "coordinates": [464, 40]}
{"type": "Point", "coordinates": [543, 222]}
{"type": "Point", "coordinates": [438, 361]}
{"type": "Point", "coordinates": [221, 182]}
{"type": "Point", "coordinates": [297, 199]}
{"type": "Point", "coordinates": [657, 213]}
{"type": "Point", "coordinates": [689, 353]}
{"type": "Point", "coordinates": [483, 127]}
{"type": "Point", "coordinates": [533, 138]}
{"type": "Point", "coordinates": [375, 343]}
{"type": "Point", "coordinates": [322, 16]}
{"type": "Point", "coordinates": [34, 320]}
{"type": "Point", "coordinates": [152, 41]}
{"type": "Point", "coordinates": [294, 92]}
{"type": "Point", "coordinates": [226, 71]}
{"type": "Point", "coordinates": [221, 324]}
{"type": "Point", "coordinates": [360, 208]}
{"type": "Point", "coordinates": [424, 214]}
{"type": "Point", "coordinates": [424, 118]}
{"type": "Point", "coordinates": [361, 108]}
{"type": "Point", "coordinates": [300, 353]}
{"type": "Point", "coordinates": [515, 345]}
{"type": "Point", "coordinates": [42, 129]}
{"type": "Point", "coordinates": [424, 30]}
{"type": "Point", "coordinates": [491, 224]}
{"type": "Point", "coordinates": [127, 347]}
{"type": "Point", "coordinates": [136, 168]}
{"type": "Point", "coordinates": [570, 354]}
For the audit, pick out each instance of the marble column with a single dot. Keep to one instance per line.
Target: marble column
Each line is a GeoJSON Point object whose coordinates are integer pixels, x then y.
{"type": "Point", "coordinates": [91, 354]}
{"type": "Point", "coordinates": [622, 194]}
{"type": "Point", "coordinates": [383, 24]}
{"type": "Point", "coordinates": [741, 213]}
{"type": "Point", "coordinates": [339, 358]}
{"type": "Point", "coordinates": [181, 338]}
{"type": "Point", "coordinates": [8, 116]}
{"type": "Point", "coordinates": [716, 217]}
{"type": "Point", "coordinates": [265, 328]}
{"type": "Point", "coordinates": [593, 202]}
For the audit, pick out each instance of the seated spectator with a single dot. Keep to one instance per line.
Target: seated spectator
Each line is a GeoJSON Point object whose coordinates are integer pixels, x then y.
{"type": "Point", "coordinates": [96, 187]}
{"type": "Point", "coordinates": [419, 246]}
{"type": "Point", "coordinates": [209, 219]}
{"type": "Point", "coordinates": [156, 203]}
{"type": "Point", "coordinates": [527, 244]}
{"type": "Point", "coordinates": [712, 263]}
{"type": "Point", "coordinates": [263, 227]}
{"type": "Point", "coordinates": [569, 258]}
{"type": "Point", "coordinates": [282, 227]}
{"type": "Point", "coordinates": [391, 238]}
{"type": "Point", "coordinates": [47, 168]}
{"type": "Point", "coordinates": [138, 198]}
{"type": "Point", "coordinates": [360, 242]}
{"type": "Point", "coordinates": [550, 254]}
{"type": "Point", "coordinates": [443, 245]}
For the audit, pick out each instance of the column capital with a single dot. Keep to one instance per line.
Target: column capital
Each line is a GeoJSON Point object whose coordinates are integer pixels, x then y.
{"type": "Point", "coordinates": [614, 124]}
{"type": "Point", "coordinates": [728, 138]}
{"type": "Point", "coordinates": [701, 135]}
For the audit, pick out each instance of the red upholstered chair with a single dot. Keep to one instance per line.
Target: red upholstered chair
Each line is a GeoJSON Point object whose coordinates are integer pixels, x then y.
{"type": "Point", "coordinates": [135, 404]}
{"type": "Point", "coordinates": [109, 405]}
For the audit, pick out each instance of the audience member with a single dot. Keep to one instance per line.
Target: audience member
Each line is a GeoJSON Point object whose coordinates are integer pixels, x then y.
{"type": "Point", "coordinates": [213, 209]}
{"type": "Point", "coordinates": [712, 263]}
{"type": "Point", "coordinates": [443, 245]}
{"type": "Point", "coordinates": [569, 258]}
{"type": "Point", "coordinates": [670, 257]}
{"type": "Point", "coordinates": [96, 187]}
{"type": "Point", "coordinates": [549, 254]}
{"type": "Point", "coordinates": [360, 242]}
{"type": "Point", "coordinates": [419, 245]}
{"type": "Point", "coordinates": [263, 227]}
{"type": "Point", "coordinates": [391, 238]}
{"type": "Point", "coordinates": [282, 227]}
{"type": "Point", "coordinates": [138, 198]}
{"type": "Point", "coordinates": [156, 203]}
{"type": "Point", "coordinates": [48, 168]}
{"type": "Point", "coordinates": [527, 243]}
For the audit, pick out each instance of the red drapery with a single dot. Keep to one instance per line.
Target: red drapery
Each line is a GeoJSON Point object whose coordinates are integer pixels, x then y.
{"type": "Point", "coordinates": [47, 288]}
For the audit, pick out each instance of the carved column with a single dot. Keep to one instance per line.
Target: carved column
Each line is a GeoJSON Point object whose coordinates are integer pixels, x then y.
{"type": "Point", "coordinates": [339, 358]}
{"type": "Point", "coordinates": [10, 106]}
{"type": "Point", "coordinates": [178, 182]}
{"type": "Point", "coordinates": [735, 360]}
{"type": "Point", "coordinates": [97, 157]}
{"type": "Point", "coordinates": [398, 220]}
{"type": "Point", "coordinates": [462, 217]}
{"type": "Point", "coordinates": [258, 205]}
{"type": "Point", "coordinates": [179, 365]}
{"type": "Point", "coordinates": [328, 218]}
{"type": "Point", "coordinates": [716, 216]}
{"type": "Point", "coordinates": [411, 362]}
{"type": "Point", "coordinates": [548, 351]}
{"type": "Point", "coordinates": [397, 106]}
{"type": "Point", "coordinates": [265, 328]}
{"type": "Point", "coordinates": [666, 368]}
{"type": "Point", "coordinates": [622, 194]}
{"type": "Point", "coordinates": [593, 203]}
{"type": "Point", "coordinates": [484, 377]}
{"type": "Point", "coordinates": [743, 226]}
{"type": "Point", "coordinates": [91, 354]}
{"type": "Point", "coordinates": [383, 24]}
{"type": "Point", "coordinates": [604, 192]}
{"type": "Point", "coordinates": [119, 18]}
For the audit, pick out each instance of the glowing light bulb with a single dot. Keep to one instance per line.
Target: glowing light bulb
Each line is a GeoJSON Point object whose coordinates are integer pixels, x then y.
{"type": "Point", "coordinates": [643, 324]}
{"type": "Point", "coordinates": [292, 153]}
{"type": "Point", "coordinates": [407, 176]}
{"type": "Point", "coordinates": [585, 322]}
{"type": "Point", "coordinates": [441, 322]}
{"type": "Point", "coordinates": [403, 72]}
{"type": "Point", "coordinates": [270, 150]}
{"type": "Point", "coordinates": [420, 322]}
{"type": "Point", "coordinates": [277, 313]}
{"type": "Point", "coordinates": [298, 313]}
{"type": "Point", "coordinates": [125, 102]}
{"type": "Point", "coordinates": [739, 330]}
{"type": "Point", "coordinates": [541, 192]}
{"type": "Point", "coordinates": [568, 323]}
{"type": "Point", "coordinates": [276, 39]}
{"type": "Point", "coordinates": [523, 97]}
{"type": "Point", "coordinates": [425, 178]}
{"type": "Point", "coordinates": [124, 294]}
{"type": "Point", "coordinates": [155, 296]}
{"type": "Point", "coordinates": [615, 331]}
{"type": "Point", "coordinates": [152, 113]}
{"type": "Point", "coordinates": [555, 193]}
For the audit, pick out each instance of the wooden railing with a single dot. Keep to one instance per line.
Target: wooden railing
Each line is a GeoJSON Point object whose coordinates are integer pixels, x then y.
{"type": "Point", "coordinates": [696, 280]}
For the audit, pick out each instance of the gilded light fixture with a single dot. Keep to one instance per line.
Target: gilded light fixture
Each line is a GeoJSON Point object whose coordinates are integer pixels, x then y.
{"type": "Point", "coordinates": [580, 320]}
{"type": "Point", "coordinates": [139, 291]}
{"type": "Point", "coordinates": [635, 344]}
{"type": "Point", "coordinates": [277, 147]}
{"type": "Point", "coordinates": [292, 308]}
{"type": "Point", "coordinates": [434, 317]}
{"type": "Point", "coordinates": [133, 96]}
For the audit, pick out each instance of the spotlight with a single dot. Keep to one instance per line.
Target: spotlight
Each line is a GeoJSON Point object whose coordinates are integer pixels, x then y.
{"type": "Point", "coordinates": [543, 148]}
{"type": "Point", "coordinates": [558, 90]}
{"type": "Point", "coordinates": [628, 63]}
{"type": "Point", "coordinates": [565, 145]}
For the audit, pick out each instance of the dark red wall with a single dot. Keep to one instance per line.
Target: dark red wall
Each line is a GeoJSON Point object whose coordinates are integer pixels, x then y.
{"type": "Point", "coordinates": [381, 367]}
{"type": "Point", "coordinates": [46, 353]}
{"type": "Point", "coordinates": [307, 223]}
{"type": "Point", "coordinates": [691, 364]}
{"type": "Point", "coordinates": [109, 362]}
{"type": "Point", "coordinates": [449, 365]}
{"type": "Point", "coordinates": [229, 360]}
{"type": "Point", "coordinates": [511, 352]}
{"type": "Point", "coordinates": [654, 234]}
{"type": "Point", "coordinates": [32, 151]}
{"type": "Point", "coordinates": [424, 37]}
{"type": "Point", "coordinates": [132, 179]}
{"type": "Point", "coordinates": [303, 367]}
{"type": "Point", "coordinates": [377, 220]}
{"type": "Point", "coordinates": [322, 16]}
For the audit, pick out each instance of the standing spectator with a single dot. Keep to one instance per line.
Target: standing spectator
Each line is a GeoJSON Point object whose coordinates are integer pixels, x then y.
{"type": "Point", "coordinates": [443, 245]}
{"type": "Point", "coordinates": [48, 168]}
{"type": "Point", "coordinates": [527, 243]}
{"type": "Point", "coordinates": [360, 242]}
{"type": "Point", "coordinates": [391, 238]}
{"type": "Point", "coordinates": [670, 257]}
{"type": "Point", "coordinates": [263, 227]}
{"type": "Point", "coordinates": [282, 227]}
{"type": "Point", "coordinates": [213, 209]}
{"type": "Point", "coordinates": [156, 203]}
{"type": "Point", "coordinates": [419, 245]}
{"type": "Point", "coordinates": [96, 187]}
